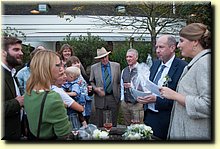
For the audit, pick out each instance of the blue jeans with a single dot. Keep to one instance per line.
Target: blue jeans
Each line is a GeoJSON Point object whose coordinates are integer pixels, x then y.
{"type": "Point", "coordinates": [74, 119]}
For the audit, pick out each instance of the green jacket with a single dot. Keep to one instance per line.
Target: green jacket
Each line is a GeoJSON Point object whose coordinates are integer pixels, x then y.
{"type": "Point", "coordinates": [54, 119]}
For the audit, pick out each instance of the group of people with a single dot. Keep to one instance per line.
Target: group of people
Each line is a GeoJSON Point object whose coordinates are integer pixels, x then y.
{"type": "Point", "coordinates": [56, 95]}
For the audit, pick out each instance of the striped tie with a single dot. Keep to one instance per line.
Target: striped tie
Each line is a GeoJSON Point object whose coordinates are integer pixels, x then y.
{"type": "Point", "coordinates": [108, 86]}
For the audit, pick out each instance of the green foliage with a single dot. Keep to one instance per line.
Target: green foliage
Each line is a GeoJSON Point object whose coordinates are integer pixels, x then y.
{"type": "Point", "coordinates": [85, 47]}
{"type": "Point", "coordinates": [120, 50]}
{"type": "Point", "coordinates": [13, 32]}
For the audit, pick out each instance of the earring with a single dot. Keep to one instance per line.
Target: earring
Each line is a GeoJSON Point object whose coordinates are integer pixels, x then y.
{"type": "Point", "coordinates": [194, 48]}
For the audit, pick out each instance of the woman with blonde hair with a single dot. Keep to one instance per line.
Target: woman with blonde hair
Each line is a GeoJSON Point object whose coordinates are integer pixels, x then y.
{"type": "Point", "coordinates": [191, 113]}
{"type": "Point", "coordinates": [45, 67]}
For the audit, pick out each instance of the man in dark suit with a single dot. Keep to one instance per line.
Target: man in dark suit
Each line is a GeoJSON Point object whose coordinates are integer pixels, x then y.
{"type": "Point", "coordinates": [13, 101]}
{"type": "Point", "coordinates": [107, 94]}
{"type": "Point", "coordinates": [158, 110]}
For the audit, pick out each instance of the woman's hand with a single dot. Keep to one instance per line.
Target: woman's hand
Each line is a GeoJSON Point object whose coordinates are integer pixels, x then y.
{"type": "Point", "coordinates": [172, 95]}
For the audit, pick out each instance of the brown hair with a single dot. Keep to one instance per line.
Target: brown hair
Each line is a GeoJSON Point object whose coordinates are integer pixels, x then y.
{"type": "Point", "coordinates": [71, 60]}
{"type": "Point", "coordinates": [197, 31]}
{"type": "Point", "coordinates": [10, 41]}
{"type": "Point", "coordinates": [65, 46]}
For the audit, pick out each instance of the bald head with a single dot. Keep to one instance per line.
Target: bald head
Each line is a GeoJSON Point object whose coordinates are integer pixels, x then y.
{"type": "Point", "coordinates": [165, 47]}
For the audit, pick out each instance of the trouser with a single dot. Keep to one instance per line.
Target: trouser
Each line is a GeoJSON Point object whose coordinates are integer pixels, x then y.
{"type": "Point", "coordinates": [128, 111]}
{"type": "Point", "coordinates": [74, 120]}
{"type": "Point", "coordinates": [110, 104]}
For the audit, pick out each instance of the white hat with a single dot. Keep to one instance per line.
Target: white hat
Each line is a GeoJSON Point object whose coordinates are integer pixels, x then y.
{"type": "Point", "coordinates": [101, 53]}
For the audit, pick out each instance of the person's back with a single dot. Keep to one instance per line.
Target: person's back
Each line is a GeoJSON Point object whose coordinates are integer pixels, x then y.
{"type": "Point", "coordinates": [54, 115]}
{"type": "Point", "coordinates": [55, 122]}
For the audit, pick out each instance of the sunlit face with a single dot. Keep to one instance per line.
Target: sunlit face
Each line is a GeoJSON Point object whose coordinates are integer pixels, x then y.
{"type": "Point", "coordinates": [76, 64]}
{"type": "Point", "coordinates": [131, 58]}
{"type": "Point", "coordinates": [14, 55]}
{"type": "Point", "coordinates": [105, 60]}
{"type": "Point", "coordinates": [185, 47]}
{"type": "Point", "coordinates": [61, 80]}
{"type": "Point", "coordinates": [66, 53]}
{"type": "Point", "coordinates": [57, 69]}
{"type": "Point", "coordinates": [163, 50]}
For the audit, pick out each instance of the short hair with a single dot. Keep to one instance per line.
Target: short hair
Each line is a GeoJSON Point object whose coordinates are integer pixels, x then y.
{"type": "Point", "coordinates": [10, 41]}
{"type": "Point", "coordinates": [171, 41]}
{"type": "Point", "coordinates": [134, 51]}
{"type": "Point", "coordinates": [65, 46]}
{"type": "Point", "coordinates": [40, 67]}
{"type": "Point", "coordinates": [73, 71]}
{"type": "Point", "coordinates": [197, 31]}
{"type": "Point", "coordinates": [71, 60]}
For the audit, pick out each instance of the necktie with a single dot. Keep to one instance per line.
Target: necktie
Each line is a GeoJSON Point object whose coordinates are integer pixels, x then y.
{"type": "Point", "coordinates": [158, 76]}
{"type": "Point", "coordinates": [156, 79]}
{"type": "Point", "coordinates": [108, 86]}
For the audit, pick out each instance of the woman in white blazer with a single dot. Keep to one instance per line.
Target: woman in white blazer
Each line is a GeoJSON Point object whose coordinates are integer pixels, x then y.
{"type": "Point", "coordinates": [191, 113]}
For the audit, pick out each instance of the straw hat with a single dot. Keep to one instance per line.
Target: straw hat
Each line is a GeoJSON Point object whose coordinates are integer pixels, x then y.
{"type": "Point", "coordinates": [101, 53]}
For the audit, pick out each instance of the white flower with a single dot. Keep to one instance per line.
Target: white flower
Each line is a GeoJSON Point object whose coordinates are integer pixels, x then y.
{"type": "Point", "coordinates": [98, 134]}
{"type": "Point", "coordinates": [137, 132]}
{"type": "Point", "coordinates": [166, 80]}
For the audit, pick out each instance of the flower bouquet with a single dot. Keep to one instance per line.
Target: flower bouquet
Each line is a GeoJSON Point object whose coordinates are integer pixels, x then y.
{"type": "Point", "coordinates": [100, 135]}
{"type": "Point", "coordinates": [138, 132]}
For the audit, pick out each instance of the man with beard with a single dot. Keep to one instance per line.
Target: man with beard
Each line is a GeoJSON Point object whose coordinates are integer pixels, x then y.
{"type": "Point", "coordinates": [13, 101]}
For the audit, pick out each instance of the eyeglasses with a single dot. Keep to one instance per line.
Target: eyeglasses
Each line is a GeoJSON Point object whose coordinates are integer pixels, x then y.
{"type": "Point", "coordinates": [59, 65]}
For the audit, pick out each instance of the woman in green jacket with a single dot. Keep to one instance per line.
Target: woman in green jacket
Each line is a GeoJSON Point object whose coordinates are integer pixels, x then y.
{"type": "Point", "coordinates": [46, 67]}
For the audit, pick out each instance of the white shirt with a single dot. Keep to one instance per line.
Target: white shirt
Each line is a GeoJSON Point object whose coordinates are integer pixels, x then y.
{"type": "Point", "coordinates": [168, 64]}
{"type": "Point", "coordinates": [65, 97]}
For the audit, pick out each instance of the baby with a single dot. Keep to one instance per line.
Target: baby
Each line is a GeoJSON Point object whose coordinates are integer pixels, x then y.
{"type": "Point", "coordinates": [72, 88]}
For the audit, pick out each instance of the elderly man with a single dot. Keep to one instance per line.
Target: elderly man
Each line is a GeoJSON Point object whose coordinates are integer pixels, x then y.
{"type": "Point", "coordinates": [130, 105]}
{"type": "Point", "coordinates": [158, 110]}
{"type": "Point", "coordinates": [105, 80]}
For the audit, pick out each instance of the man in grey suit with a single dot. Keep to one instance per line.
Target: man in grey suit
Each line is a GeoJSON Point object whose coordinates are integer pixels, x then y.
{"type": "Point", "coordinates": [105, 80]}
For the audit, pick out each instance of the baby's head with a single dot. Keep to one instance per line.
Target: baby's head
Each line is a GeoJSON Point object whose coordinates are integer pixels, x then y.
{"type": "Point", "coordinates": [72, 73]}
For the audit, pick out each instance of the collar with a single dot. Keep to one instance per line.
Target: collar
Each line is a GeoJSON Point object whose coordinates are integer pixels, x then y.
{"type": "Point", "coordinates": [169, 63]}
{"type": "Point", "coordinates": [134, 66]}
{"type": "Point", "coordinates": [13, 70]}
{"type": "Point", "coordinates": [107, 65]}
{"type": "Point", "coordinates": [200, 54]}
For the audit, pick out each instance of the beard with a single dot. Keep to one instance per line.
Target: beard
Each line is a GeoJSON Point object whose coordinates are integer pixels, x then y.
{"type": "Point", "coordinates": [12, 61]}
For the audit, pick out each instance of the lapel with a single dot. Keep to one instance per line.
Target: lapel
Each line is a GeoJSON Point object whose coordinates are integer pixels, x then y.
{"type": "Point", "coordinates": [173, 68]}
{"type": "Point", "coordinates": [154, 69]}
{"type": "Point", "coordinates": [112, 70]}
{"type": "Point", "coordinates": [99, 70]}
{"type": "Point", "coordinates": [9, 82]}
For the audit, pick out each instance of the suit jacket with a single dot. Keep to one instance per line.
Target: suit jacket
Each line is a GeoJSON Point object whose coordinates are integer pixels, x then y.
{"type": "Point", "coordinates": [159, 121]}
{"type": "Point", "coordinates": [12, 123]}
{"type": "Point", "coordinates": [97, 81]}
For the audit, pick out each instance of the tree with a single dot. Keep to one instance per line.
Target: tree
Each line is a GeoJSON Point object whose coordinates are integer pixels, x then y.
{"type": "Point", "coordinates": [158, 18]}
{"type": "Point", "coordinates": [85, 47]}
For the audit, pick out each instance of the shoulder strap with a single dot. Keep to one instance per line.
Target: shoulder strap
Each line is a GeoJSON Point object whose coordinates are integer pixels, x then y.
{"type": "Point", "coordinates": [41, 113]}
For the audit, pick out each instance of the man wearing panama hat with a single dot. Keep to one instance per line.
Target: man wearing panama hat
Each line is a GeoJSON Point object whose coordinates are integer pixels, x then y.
{"type": "Point", "coordinates": [105, 80]}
